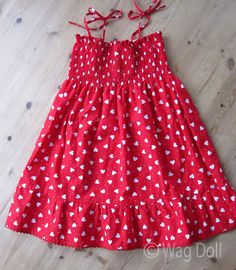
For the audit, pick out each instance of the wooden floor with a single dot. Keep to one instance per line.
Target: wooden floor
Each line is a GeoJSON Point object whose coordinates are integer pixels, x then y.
{"type": "Point", "coordinates": [35, 45]}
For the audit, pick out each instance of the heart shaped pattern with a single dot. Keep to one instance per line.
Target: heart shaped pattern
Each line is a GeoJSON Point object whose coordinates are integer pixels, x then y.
{"type": "Point", "coordinates": [123, 158]}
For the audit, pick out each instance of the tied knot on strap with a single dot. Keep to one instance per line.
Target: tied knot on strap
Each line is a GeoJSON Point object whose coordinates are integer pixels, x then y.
{"type": "Point", "coordinates": [94, 16]}
{"type": "Point", "coordinates": [140, 14]}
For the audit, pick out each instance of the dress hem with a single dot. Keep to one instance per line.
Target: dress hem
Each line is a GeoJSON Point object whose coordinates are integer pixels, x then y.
{"type": "Point", "coordinates": [152, 245]}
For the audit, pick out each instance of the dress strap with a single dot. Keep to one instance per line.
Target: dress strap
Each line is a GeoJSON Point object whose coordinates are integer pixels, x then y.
{"type": "Point", "coordinates": [96, 16]}
{"type": "Point", "coordinates": [155, 6]}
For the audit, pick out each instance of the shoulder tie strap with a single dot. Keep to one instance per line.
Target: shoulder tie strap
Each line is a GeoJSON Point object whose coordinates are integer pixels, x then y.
{"type": "Point", "coordinates": [96, 16]}
{"type": "Point", "coordinates": [155, 6]}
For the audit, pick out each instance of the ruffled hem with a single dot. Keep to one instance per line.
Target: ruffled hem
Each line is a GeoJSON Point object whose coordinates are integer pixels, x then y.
{"type": "Point", "coordinates": [152, 245]}
{"type": "Point", "coordinates": [169, 222]}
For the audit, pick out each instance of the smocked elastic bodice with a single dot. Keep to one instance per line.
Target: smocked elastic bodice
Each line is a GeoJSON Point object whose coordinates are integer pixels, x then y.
{"type": "Point", "coordinates": [95, 61]}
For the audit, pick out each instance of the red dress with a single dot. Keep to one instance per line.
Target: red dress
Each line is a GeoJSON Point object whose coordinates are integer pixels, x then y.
{"type": "Point", "coordinates": [123, 159]}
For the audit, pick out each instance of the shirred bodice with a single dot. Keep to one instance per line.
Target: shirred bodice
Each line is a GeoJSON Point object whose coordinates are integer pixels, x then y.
{"type": "Point", "coordinates": [95, 61]}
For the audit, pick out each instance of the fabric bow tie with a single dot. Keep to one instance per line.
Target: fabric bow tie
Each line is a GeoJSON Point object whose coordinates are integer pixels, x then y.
{"type": "Point", "coordinates": [155, 6]}
{"type": "Point", "coordinates": [96, 16]}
